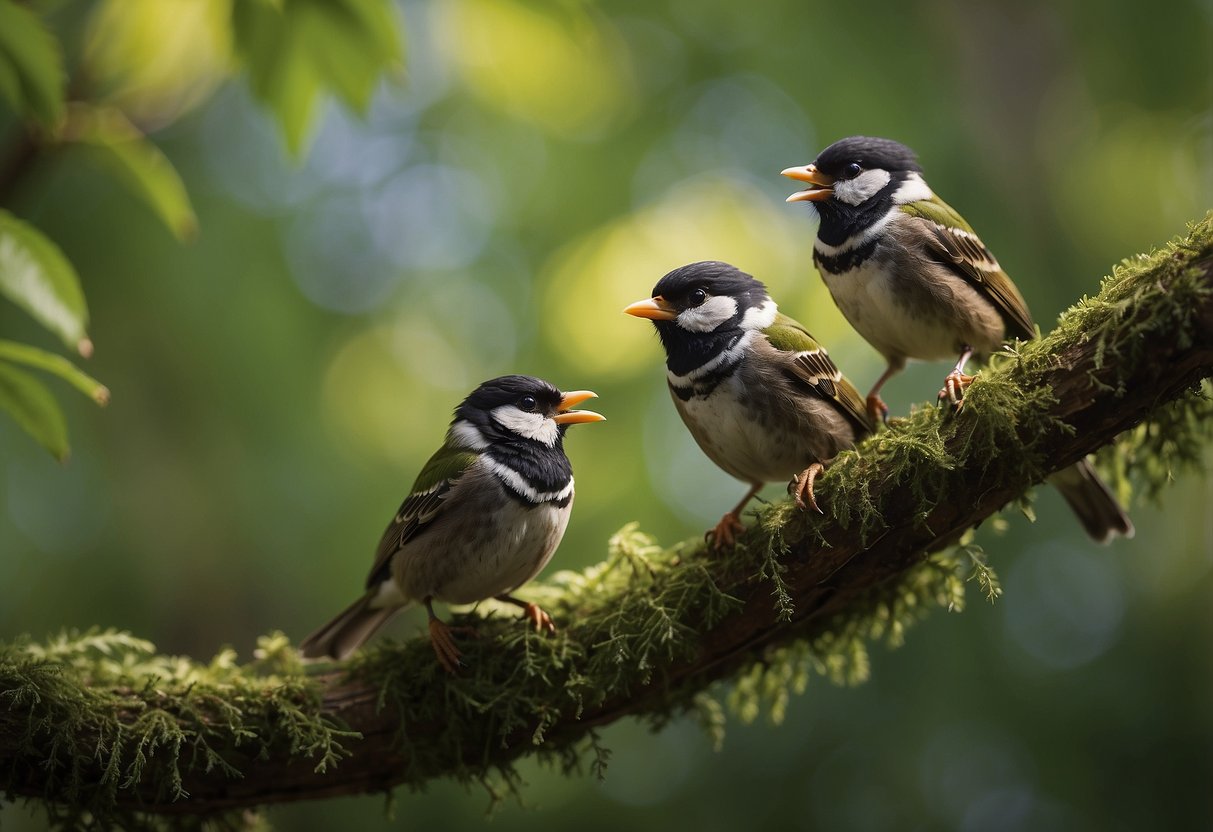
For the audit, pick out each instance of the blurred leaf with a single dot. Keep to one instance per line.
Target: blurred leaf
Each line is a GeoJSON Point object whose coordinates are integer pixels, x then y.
{"type": "Point", "coordinates": [56, 364]}
{"type": "Point", "coordinates": [368, 44]}
{"type": "Point", "coordinates": [34, 408]}
{"type": "Point", "coordinates": [296, 49]}
{"type": "Point", "coordinates": [36, 276]}
{"type": "Point", "coordinates": [158, 60]}
{"type": "Point", "coordinates": [136, 162]}
{"type": "Point", "coordinates": [31, 65]}
{"type": "Point", "coordinates": [561, 66]}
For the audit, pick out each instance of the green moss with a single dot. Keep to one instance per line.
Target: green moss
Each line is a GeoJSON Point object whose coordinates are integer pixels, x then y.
{"type": "Point", "coordinates": [105, 700]}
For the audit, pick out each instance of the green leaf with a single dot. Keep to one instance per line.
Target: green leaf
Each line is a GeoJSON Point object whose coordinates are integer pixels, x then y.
{"type": "Point", "coordinates": [57, 365]}
{"type": "Point", "coordinates": [33, 408]}
{"type": "Point", "coordinates": [137, 163]}
{"type": "Point", "coordinates": [279, 73]}
{"type": "Point", "coordinates": [351, 43]}
{"type": "Point", "coordinates": [296, 49]}
{"type": "Point", "coordinates": [36, 276]}
{"type": "Point", "coordinates": [31, 65]}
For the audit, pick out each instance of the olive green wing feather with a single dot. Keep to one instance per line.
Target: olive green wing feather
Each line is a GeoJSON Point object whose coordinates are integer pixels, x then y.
{"type": "Point", "coordinates": [951, 241]}
{"type": "Point", "coordinates": [811, 366]}
{"type": "Point", "coordinates": [426, 500]}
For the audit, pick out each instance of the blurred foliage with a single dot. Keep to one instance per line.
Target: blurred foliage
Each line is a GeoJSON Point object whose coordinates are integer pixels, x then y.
{"type": "Point", "coordinates": [31, 66]}
{"type": "Point", "coordinates": [150, 62]}
{"type": "Point", "coordinates": [278, 382]}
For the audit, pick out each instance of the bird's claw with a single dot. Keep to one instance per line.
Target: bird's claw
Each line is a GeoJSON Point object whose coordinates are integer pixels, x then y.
{"type": "Point", "coordinates": [954, 386]}
{"type": "Point", "coordinates": [877, 409]}
{"type": "Point", "coordinates": [444, 645]}
{"type": "Point", "coordinates": [724, 534]}
{"type": "Point", "coordinates": [542, 621]}
{"type": "Point", "coordinates": [801, 487]}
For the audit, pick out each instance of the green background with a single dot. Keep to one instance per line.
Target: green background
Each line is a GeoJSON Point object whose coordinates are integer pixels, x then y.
{"type": "Point", "coordinates": [278, 382]}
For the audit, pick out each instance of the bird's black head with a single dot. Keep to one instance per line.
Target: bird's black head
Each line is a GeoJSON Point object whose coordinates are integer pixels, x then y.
{"type": "Point", "coordinates": [855, 181]}
{"type": "Point", "coordinates": [846, 158]}
{"type": "Point", "coordinates": [702, 308]}
{"type": "Point", "coordinates": [517, 408]}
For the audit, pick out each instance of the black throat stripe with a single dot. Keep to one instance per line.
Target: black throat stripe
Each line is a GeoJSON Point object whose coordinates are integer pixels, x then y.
{"type": "Point", "coordinates": [704, 386]}
{"type": "Point", "coordinates": [847, 260]}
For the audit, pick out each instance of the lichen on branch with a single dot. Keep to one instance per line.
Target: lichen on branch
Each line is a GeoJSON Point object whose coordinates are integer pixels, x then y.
{"type": "Point", "coordinates": [99, 723]}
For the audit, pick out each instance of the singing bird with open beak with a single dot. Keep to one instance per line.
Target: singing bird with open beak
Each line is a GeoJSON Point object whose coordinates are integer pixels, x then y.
{"type": "Point", "coordinates": [483, 518]}
{"type": "Point", "coordinates": [761, 397]}
{"type": "Point", "coordinates": [916, 282]}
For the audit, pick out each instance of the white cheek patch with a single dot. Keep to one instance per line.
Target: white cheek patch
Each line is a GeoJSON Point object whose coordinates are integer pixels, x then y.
{"type": "Point", "coordinates": [862, 188]}
{"type": "Point", "coordinates": [530, 425]}
{"type": "Point", "coordinates": [708, 315]}
{"type": "Point", "coordinates": [466, 435]}
{"type": "Point", "coordinates": [760, 317]}
{"type": "Point", "coordinates": [912, 190]}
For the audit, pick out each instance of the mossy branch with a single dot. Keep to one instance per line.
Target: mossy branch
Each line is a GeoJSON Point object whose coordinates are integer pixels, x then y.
{"type": "Point", "coordinates": [101, 724]}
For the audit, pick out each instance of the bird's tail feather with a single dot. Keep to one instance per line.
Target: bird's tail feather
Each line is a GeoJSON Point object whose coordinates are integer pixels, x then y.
{"type": "Point", "coordinates": [349, 630]}
{"type": "Point", "coordinates": [1090, 499]}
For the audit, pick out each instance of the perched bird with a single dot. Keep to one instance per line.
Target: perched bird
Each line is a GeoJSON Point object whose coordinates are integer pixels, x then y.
{"type": "Point", "coordinates": [916, 281]}
{"type": "Point", "coordinates": [483, 518]}
{"type": "Point", "coordinates": [761, 397]}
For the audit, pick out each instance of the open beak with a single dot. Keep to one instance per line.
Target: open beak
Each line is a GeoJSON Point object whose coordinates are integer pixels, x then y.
{"type": "Point", "coordinates": [821, 189]}
{"type": "Point", "coordinates": [567, 416]}
{"type": "Point", "coordinates": [655, 309]}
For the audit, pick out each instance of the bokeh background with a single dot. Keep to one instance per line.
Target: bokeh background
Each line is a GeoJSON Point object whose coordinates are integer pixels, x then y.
{"type": "Point", "coordinates": [278, 382]}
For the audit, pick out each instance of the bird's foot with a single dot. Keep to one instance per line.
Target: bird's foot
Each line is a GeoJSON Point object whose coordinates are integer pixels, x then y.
{"type": "Point", "coordinates": [724, 534]}
{"type": "Point", "coordinates": [954, 388]}
{"type": "Point", "coordinates": [443, 640]}
{"type": "Point", "coordinates": [878, 410]}
{"type": "Point", "coordinates": [801, 487]}
{"type": "Point", "coordinates": [542, 621]}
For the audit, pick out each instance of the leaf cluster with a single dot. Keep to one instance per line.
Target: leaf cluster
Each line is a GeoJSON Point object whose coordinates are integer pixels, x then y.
{"type": "Point", "coordinates": [293, 51]}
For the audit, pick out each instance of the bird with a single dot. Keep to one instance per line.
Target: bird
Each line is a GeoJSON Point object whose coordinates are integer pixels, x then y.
{"type": "Point", "coordinates": [915, 280]}
{"type": "Point", "coordinates": [761, 397]}
{"type": "Point", "coordinates": [483, 518]}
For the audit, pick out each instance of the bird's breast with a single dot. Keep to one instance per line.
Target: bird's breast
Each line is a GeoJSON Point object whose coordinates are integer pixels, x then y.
{"type": "Point", "coordinates": [489, 545]}
{"type": "Point", "coordinates": [757, 432]}
{"type": "Point", "coordinates": [524, 542]}
{"type": "Point", "coordinates": [907, 309]}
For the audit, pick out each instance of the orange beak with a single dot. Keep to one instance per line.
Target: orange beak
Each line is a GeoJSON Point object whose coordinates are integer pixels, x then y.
{"type": "Point", "coordinates": [566, 416]}
{"type": "Point", "coordinates": [655, 309]}
{"type": "Point", "coordinates": [822, 184]}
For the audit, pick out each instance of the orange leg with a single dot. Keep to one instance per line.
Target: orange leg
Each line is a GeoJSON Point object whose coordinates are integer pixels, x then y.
{"type": "Point", "coordinates": [532, 612]}
{"type": "Point", "coordinates": [876, 406]}
{"type": "Point", "coordinates": [724, 534]}
{"type": "Point", "coordinates": [442, 640]}
{"type": "Point", "coordinates": [955, 382]}
{"type": "Point", "coordinates": [802, 487]}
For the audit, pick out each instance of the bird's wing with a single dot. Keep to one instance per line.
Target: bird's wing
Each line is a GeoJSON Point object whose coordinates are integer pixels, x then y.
{"type": "Point", "coordinates": [810, 365]}
{"type": "Point", "coordinates": [951, 241]}
{"type": "Point", "coordinates": [426, 501]}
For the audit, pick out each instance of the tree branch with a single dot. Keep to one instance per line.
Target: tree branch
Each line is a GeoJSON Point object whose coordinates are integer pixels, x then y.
{"type": "Point", "coordinates": [649, 631]}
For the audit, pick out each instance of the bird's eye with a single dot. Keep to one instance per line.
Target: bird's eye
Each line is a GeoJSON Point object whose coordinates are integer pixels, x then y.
{"type": "Point", "coordinates": [852, 170]}
{"type": "Point", "coordinates": [697, 296]}
{"type": "Point", "coordinates": [528, 404]}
